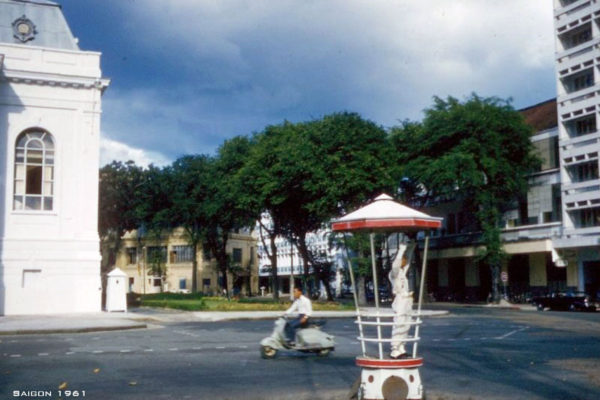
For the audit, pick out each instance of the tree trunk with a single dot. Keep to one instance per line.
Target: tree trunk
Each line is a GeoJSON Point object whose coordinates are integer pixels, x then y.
{"type": "Point", "coordinates": [360, 291]}
{"type": "Point", "coordinates": [327, 286]}
{"type": "Point", "coordinates": [273, 258]}
{"type": "Point", "coordinates": [249, 280]}
{"type": "Point", "coordinates": [495, 283]}
{"type": "Point", "coordinates": [303, 249]}
{"type": "Point", "coordinates": [195, 268]}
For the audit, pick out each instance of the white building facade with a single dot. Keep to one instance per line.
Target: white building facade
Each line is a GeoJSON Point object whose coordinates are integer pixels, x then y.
{"type": "Point", "coordinates": [577, 32]}
{"type": "Point", "coordinates": [50, 105]}
{"type": "Point", "coordinates": [290, 266]}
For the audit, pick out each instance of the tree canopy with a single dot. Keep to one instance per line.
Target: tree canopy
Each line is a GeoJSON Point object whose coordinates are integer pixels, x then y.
{"type": "Point", "coordinates": [477, 152]}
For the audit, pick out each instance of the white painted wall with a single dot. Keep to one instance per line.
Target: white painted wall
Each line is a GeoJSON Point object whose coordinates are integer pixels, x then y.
{"type": "Point", "coordinates": [50, 260]}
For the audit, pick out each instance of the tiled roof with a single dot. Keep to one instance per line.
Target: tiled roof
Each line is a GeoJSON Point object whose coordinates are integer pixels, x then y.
{"type": "Point", "coordinates": [541, 116]}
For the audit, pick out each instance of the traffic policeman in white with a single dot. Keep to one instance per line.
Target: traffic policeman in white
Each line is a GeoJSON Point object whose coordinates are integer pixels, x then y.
{"type": "Point", "coordinates": [303, 307]}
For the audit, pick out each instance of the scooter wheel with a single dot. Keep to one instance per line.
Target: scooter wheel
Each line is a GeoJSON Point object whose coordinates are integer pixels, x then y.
{"type": "Point", "coordinates": [324, 352]}
{"type": "Point", "coordinates": [268, 352]}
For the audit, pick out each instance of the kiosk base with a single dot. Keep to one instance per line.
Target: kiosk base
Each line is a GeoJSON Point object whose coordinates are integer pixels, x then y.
{"type": "Point", "coordinates": [390, 379]}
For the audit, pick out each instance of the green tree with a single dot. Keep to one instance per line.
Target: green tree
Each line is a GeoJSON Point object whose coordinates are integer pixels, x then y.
{"type": "Point", "coordinates": [477, 152]}
{"type": "Point", "coordinates": [119, 192]}
{"type": "Point", "coordinates": [225, 207]}
{"type": "Point", "coordinates": [186, 183]}
{"type": "Point", "coordinates": [305, 174]}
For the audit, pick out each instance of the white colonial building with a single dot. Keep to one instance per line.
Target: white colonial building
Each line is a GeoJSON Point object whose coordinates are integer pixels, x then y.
{"type": "Point", "coordinates": [50, 97]}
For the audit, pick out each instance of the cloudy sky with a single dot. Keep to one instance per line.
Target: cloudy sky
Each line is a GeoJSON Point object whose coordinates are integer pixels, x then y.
{"type": "Point", "coordinates": [188, 74]}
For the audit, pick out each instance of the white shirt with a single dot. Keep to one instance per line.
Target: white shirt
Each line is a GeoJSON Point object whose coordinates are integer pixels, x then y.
{"type": "Point", "coordinates": [301, 305]}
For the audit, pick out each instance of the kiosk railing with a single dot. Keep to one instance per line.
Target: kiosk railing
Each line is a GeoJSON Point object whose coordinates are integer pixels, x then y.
{"type": "Point", "coordinates": [375, 328]}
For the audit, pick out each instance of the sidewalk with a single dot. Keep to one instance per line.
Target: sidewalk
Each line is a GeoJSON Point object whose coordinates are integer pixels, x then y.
{"type": "Point", "coordinates": [139, 318]}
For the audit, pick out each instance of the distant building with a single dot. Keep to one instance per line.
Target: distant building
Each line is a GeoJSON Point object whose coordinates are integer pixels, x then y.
{"type": "Point", "coordinates": [50, 105]}
{"type": "Point", "coordinates": [530, 232]}
{"type": "Point", "coordinates": [578, 80]}
{"type": "Point", "coordinates": [144, 258]}
{"type": "Point", "coordinates": [290, 266]}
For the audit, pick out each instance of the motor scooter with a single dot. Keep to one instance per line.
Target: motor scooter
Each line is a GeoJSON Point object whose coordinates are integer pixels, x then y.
{"type": "Point", "coordinates": [308, 340]}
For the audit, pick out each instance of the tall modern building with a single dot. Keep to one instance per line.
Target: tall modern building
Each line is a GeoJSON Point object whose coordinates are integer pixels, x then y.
{"type": "Point", "coordinates": [50, 105]}
{"type": "Point", "coordinates": [577, 31]}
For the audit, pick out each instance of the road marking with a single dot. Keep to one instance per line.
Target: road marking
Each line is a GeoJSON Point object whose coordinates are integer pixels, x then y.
{"type": "Point", "coordinates": [511, 333]}
{"type": "Point", "coordinates": [196, 348]}
{"type": "Point", "coordinates": [174, 349]}
{"type": "Point", "coordinates": [187, 333]}
{"type": "Point", "coordinates": [220, 347]}
{"type": "Point", "coordinates": [15, 355]}
{"type": "Point", "coordinates": [149, 350]}
{"type": "Point", "coordinates": [43, 354]}
{"type": "Point", "coordinates": [68, 353]}
{"type": "Point", "coordinates": [243, 347]}
{"type": "Point", "coordinates": [97, 352]}
{"type": "Point", "coordinates": [125, 351]}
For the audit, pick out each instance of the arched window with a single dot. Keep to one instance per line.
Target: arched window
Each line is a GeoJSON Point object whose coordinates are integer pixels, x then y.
{"type": "Point", "coordinates": [34, 171]}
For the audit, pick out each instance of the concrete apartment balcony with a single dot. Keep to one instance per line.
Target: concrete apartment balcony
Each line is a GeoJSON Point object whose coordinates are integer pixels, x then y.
{"type": "Point", "coordinates": [581, 195]}
{"type": "Point", "coordinates": [578, 101]}
{"type": "Point", "coordinates": [575, 63]}
{"type": "Point", "coordinates": [573, 12]}
{"type": "Point", "coordinates": [583, 152]}
{"type": "Point", "coordinates": [575, 146]}
{"type": "Point", "coordinates": [578, 237]}
{"type": "Point", "coordinates": [514, 234]}
{"type": "Point", "coordinates": [578, 50]}
{"type": "Point", "coordinates": [532, 232]}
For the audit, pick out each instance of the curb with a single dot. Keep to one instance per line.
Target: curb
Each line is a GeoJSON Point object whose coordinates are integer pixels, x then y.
{"type": "Point", "coordinates": [72, 330]}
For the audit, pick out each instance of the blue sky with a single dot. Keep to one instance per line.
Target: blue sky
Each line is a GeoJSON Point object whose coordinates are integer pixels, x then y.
{"type": "Point", "coordinates": [188, 74]}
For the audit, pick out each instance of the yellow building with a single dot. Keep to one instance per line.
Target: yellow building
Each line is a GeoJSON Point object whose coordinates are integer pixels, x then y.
{"type": "Point", "coordinates": [164, 264]}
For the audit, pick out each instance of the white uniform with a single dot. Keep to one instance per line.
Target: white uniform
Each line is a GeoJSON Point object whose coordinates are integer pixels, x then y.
{"type": "Point", "coordinates": [403, 301]}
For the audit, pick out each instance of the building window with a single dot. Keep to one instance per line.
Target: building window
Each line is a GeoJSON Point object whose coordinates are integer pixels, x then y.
{"type": "Point", "coordinates": [577, 36]}
{"type": "Point", "coordinates": [182, 254]}
{"type": "Point", "coordinates": [579, 81]}
{"type": "Point", "coordinates": [206, 254]}
{"type": "Point", "coordinates": [584, 172]}
{"type": "Point", "coordinates": [157, 254]}
{"type": "Point", "coordinates": [547, 151]}
{"type": "Point", "coordinates": [587, 218]}
{"type": "Point", "coordinates": [565, 3]}
{"type": "Point", "coordinates": [585, 125]}
{"type": "Point", "coordinates": [34, 171]}
{"type": "Point", "coordinates": [237, 256]}
{"type": "Point", "coordinates": [131, 255]}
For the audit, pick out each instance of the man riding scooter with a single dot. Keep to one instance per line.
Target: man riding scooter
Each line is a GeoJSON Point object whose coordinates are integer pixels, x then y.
{"type": "Point", "coordinates": [311, 339]}
{"type": "Point", "coordinates": [303, 307]}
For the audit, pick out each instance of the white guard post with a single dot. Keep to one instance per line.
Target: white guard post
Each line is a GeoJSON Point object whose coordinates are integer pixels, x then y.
{"type": "Point", "coordinates": [393, 375]}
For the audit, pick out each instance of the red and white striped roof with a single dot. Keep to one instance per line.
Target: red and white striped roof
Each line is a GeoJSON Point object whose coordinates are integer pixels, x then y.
{"type": "Point", "coordinates": [386, 214]}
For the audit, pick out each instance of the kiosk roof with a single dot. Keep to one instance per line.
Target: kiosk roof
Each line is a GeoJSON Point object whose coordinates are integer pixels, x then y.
{"type": "Point", "coordinates": [384, 214]}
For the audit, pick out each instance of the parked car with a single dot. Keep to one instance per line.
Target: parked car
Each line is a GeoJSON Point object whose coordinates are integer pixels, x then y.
{"type": "Point", "coordinates": [572, 301]}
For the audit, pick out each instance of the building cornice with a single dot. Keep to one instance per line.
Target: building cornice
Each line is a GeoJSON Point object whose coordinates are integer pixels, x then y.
{"type": "Point", "coordinates": [41, 79]}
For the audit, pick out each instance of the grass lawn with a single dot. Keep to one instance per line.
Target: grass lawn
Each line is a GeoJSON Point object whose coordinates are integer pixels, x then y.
{"type": "Point", "coordinates": [197, 302]}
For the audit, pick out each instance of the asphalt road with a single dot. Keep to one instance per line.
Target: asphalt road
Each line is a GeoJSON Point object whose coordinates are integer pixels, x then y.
{"type": "Point", "coordinates": [472, 353]}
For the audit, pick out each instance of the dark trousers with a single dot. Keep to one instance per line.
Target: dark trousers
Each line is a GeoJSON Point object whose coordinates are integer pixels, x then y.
{"type": "Point", "coordinates": [292, 326]}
